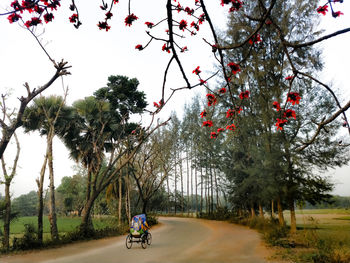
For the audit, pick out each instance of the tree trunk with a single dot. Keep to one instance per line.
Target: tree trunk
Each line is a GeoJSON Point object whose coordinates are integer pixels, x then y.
{"type": "Point", "coordinates": [280, 212]}
{"type": "Point", "coordinates": [86, 225]}
{"type": "Point", "coordinates": [217, 190]}
{"type": "Point", "coordinates": [293, 222]}
{"type": "Point", "coordinates": [119, 199]}
{"type": "Point", "coordinates": [6, 241]}
{"type": "Point", "coordinates": [252, 211]}
{"type": "Point", "coordinates": [211, 190]}
{"type": "Point", "coordinates": [52, 214]}
{"type": "Point", "coordinates": [168, 189]}
{"type": "Point", "coordinates": [201, 205]}
{"type": "Point", "coordinates": [188, 185]}
{"type": "Point", "coordinates": [261, 212]}
{"type": "Point", "coordinates": [175, 175]}
{"type": "Point", "coordinates": [182, 188]}
{"type": "Point", "coordinates": [144, 206]}
{"type": "Point", "coordinates": [272, 209]}
{"type": "Point", "coordinates": [191, 182]}
{"type": "Point", "coordinates": [40, 183]}
{"type": "Point", "coordinates": [127, 202]}
{"type": "Point", "coordinates": [195, 182]}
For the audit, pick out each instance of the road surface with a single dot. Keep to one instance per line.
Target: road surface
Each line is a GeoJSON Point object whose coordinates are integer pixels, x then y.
{"type": "Point", "coordinates": [182, 240]}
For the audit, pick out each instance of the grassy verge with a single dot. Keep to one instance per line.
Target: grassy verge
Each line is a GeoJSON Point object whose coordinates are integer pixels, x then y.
{"type": "Point", "coordinates": [24, 234]}
{"type": "Point", "coordinates": [323, 236]}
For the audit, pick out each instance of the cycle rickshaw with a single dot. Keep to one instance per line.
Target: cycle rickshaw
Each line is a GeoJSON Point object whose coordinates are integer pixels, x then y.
{"type": "Point", "coordinates": [139, 232]}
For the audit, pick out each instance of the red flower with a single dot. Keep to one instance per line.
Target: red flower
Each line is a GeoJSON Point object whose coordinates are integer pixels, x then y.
{"type": "Point", "coordinates": [213, 135]}
{"type": "Point", "coordinates": [293, 97]}
{"type": "Point", "coordinates": [220, 130]}
{"type": "Point", "coordinates": [196, 71]}
{"type": "Point", "coordinates": [38, 9]}
{"type": "Point", "coordinates": [115, 1]}
{"type": "Point", "coordinates": [35, 21]}
{"type": "Point", "coordinates": [189, 11]}
{"type": "Point", "coordinates": [222, 90]}
{"type": "Point", "coordinates": [268, 22]}
{"type": "Point", "coordinates": [336, 14]}
{"type": "Point", "coordinates": [255, 39]}
{"type": "Point", "coordinates": [155, 104]}
{"type": "Point", "coordinates": [139, 47]}
{"type": "Point", "coordinates": [53, 5]}
{"type": "Point", "coordinates": [15, 5]}
{"type": "Point", "coordinates": [230, 113]}
{"type": "Point", "coordinates": [149, 24]}
{"type": "Point", "coordinates": [48, 17]}
{"type": "Point", "coordinates": [179, 7]}
{"type": "Point", "coordinates": [211, 99]}
{"type": "Point", "coordinates": [231, 127]}
{"type": "Point", "coordinates": [236, 5]}
{"type": "Point", "coordinates": [109, 15]}
{"type": "Point", "coordinates": [13, 18]}
{"type": "Point", "coordinates": [73, 18]}
{"type": "Point", "coordinates": [203, 114]}
{"type": "Point", "coordinates": [184, 49]}
{"type": "Point", "coordinates": [28, 5]}
{"type": "Point", "coordinates": [225, 2]}
{"type": "Point", "coordinates": [238, 109]}
{"type": "Point", "coordinates": [129, 19]}
{"type": "Point", "coordinates": [280, 123]}
{"type": "Point", "coordinates": [289, 114]}
{"type": "Point", "coordinates": [166, 48]}
{"type": "Point", "coordinates": [202, 82]}
{"type": "Point", "coordinates": [103, 25]}
{"type": "Point", "coordinates": [276, 105]}
{"type": "Point", "coordinates": [289, 77]}
{"type": "Point", "coordinates": [244, 95]}
{"type": "Point", "coordinates": [193, 24]}
{"type": "Point", "coordinates": [322, 9]}
{"type": "Point", "coordinates": [234, 67]}
{"type": "Point", "coordinates": [201, 19]}
{"type": "Point", "coordinates": [183, 25]}
{"type": "Point", "coordinates": [207, 124]}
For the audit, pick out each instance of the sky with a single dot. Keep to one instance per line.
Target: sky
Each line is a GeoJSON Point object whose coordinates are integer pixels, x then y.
{"type": "Point", "coordinates": [94, 55]}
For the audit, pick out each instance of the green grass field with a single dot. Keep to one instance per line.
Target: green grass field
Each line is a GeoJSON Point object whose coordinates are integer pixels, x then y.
{"type": "Point", "coordinates": [64, 224]}
{"type": "Point", "coordinates": [328, 230]}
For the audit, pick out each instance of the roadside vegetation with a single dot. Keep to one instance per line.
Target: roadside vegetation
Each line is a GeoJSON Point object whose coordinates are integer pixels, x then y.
{"type": "Point", "coordinates": [218, 160]}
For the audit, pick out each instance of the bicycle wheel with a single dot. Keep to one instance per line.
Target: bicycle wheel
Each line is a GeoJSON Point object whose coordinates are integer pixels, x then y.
{"type": "Point", "coordinates": [143, 241]}
{"type": "Point", "coordinates": [149, 238]}
{"type": "Point", "coordinates": [128, 242]}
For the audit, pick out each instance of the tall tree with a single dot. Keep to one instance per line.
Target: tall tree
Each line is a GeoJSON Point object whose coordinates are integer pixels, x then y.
{"type": "Point", "coordinates": [48, 115]}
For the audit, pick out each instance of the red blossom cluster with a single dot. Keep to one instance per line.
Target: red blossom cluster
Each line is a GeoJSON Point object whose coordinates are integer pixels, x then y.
{"type": "Point", "coordinates": [244, 95]}
{"type": "Point", "coordinates": [323, 9]}
{"type": "Point", "coordinates": [293, 98]}
{"type": "Point", "coordinates": [36, 8]}
{"type": "Point", "coordinates": [130, 19]}
{"type": "Point", "coordinates": [235, 4]}
{"type": "Point", "coordinates": [255, 39]}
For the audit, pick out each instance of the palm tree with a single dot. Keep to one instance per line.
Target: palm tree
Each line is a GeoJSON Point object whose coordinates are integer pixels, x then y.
{"type": "Point", "coordinates": [48, 115]}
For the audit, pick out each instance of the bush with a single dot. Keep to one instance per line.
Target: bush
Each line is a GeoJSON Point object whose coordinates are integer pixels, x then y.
{"type": "Point", "coordinates": [221, 213]}
{"type": "Point", "coordinates": [29, 239]}
{"type": "Point", "coordinates": [152, 220]}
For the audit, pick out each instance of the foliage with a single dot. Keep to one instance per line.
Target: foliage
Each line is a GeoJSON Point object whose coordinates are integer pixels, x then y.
{"type": "Point", "coordinates": [29, 239]}
{"type": "Point", "coordinates": [26, 204]}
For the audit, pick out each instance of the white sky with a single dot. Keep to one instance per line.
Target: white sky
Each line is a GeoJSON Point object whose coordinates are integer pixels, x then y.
{"type": "Point", "coordinates": [95, 55]}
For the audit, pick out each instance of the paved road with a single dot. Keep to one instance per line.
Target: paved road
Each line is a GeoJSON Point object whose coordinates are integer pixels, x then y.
{"type": "Point", "coordinates": [180, 240]}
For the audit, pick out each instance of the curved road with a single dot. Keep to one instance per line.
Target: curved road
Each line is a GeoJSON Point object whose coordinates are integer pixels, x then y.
{"type": "Point", "coordinates": [182, 240]}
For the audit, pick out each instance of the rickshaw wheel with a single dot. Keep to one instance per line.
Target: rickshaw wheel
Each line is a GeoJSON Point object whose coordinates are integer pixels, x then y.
{"type": "Point", "coordinates": [128, 241]}
{"type": "Point", "coordinates": [149, 238]}
{"type": "Point", "coordinates": [143, 241]}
